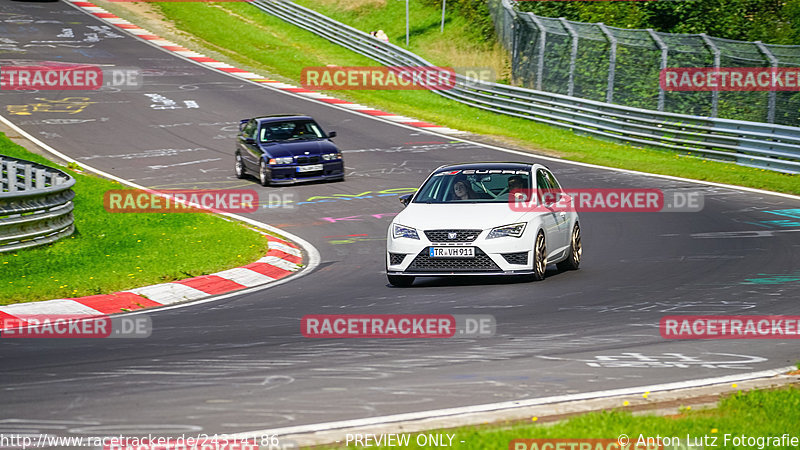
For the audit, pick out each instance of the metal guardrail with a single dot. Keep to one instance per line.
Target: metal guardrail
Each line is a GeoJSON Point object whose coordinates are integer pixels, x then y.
{"type": "Point", "coordinates": [766, 146]}
{"type": "Point", "coordinates": [35, 204]}
{"type": "Point", "coordinates": [623, 65]}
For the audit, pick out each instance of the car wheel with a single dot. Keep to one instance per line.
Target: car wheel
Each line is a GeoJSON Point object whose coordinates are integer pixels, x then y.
{"type": "Point", "coordinates": [239, 167]}
{"type": "Point", "coordinates": [539, 257]}
{"type": "Point", "coordinates": [400, 280]}
{"type": "Point", "coordinates": [263, 175]}
{"type": "Point", "coordinates": [573, 261]}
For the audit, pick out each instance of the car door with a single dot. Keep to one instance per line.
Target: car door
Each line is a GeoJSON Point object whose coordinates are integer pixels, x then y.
{"type": "Point", "coordinates": [549, 217]}
{"type": "Point", "coordinates": [561, 216]}
{"type": "Point", "coordinates": [248, 145]}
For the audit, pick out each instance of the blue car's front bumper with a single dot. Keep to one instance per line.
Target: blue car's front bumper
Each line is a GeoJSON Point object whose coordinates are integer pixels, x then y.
{"type": "Point", "coordinates": [288, 174]}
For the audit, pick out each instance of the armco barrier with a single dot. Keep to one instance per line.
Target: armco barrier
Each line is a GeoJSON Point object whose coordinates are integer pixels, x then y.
{"type": "Point", "coordinates": [767, 146]}
{"type": "Point", "coordinates": [35, 204]}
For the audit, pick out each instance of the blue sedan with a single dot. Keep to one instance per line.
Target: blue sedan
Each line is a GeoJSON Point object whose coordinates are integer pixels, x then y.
{"type": "Point", "coordinates": [285, 149]}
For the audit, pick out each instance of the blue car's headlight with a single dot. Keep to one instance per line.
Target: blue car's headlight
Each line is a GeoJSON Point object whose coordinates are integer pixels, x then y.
{"type": "Point", "coordinates": [399, 231]}
{"type": "Point", "coordinates": [282, 160]}
{"type": "Point", "coordinates": [513, 230]}
{"type": "Point", "coordinates": [331, 156]}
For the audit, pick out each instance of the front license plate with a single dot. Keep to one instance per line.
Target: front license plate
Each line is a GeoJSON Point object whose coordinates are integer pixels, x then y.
{"type": "Point", "coordinates": [311, 168]}
{"type": "Point", "coordinates": [451, 252]}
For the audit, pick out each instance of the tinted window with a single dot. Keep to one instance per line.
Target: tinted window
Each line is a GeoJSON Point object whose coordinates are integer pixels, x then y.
{"type": "Point", "coordinates": [290, 130]}
{"type": "Point", "coordinates": [472, 186]}
{"type": "Point", "coordinates": [547, 188]}
{"type": "Point", "coordinates": [552, 180]}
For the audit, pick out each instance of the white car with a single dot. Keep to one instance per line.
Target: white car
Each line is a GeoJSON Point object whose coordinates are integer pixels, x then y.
{"type": "Point", "coordinates": [461, 222]}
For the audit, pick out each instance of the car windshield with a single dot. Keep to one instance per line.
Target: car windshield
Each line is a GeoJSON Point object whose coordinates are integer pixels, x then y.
{"type": "Point", "coordinates": [473, 186]}
{"type": "Point", "coordinates": [290, 130]}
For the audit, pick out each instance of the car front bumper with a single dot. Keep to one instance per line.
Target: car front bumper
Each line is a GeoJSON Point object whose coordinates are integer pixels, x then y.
{"type": "Point", "coordinates": [289, 174]}
{"type": "Point", "coordinates": [500, 256]}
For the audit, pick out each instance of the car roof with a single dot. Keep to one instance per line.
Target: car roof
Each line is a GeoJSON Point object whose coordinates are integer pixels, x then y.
{"type": "Point", "coordinates": [487, 165]}
{"type": "Point", "coordinates": [281, 117]}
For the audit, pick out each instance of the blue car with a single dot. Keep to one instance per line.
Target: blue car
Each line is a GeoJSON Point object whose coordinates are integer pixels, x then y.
{"type": "Point", "coordinates": [285, 149]}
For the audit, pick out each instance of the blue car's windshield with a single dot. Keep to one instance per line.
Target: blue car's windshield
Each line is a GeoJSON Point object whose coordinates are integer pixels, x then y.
{"type": "Point", "coordinates": [470, 186]}
{"type": "Point", "coordinates": [290, 130]}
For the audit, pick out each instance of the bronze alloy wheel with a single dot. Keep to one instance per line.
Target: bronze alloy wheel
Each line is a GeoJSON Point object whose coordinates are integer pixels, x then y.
{"type": "Point", "coordinates": [577, 250]}
{"type": "Point", "coordinates": [573, 261]}
{"type": "Point", "coordinates": [539, 257]}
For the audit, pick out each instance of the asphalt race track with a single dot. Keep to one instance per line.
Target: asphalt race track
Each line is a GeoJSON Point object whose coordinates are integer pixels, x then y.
{"type": "Point", "coordinates": [241, 364]}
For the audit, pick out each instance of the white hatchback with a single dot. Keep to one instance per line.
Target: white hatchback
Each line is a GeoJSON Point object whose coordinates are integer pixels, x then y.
{"type": "Point", "coordinates": [462, 222]}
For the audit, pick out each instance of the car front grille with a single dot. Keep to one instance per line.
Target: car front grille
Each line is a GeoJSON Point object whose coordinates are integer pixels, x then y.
{"type": "Point", "coordinates": [306, 159]}
{"type": "Point", "coordinates": [480, 263]}
{"type": "Point", "coordinates": [516, 258]}
{"type": "Point", "coordinates": [457, 235]}
{"type": "Point", "coordinates": [396, 258]}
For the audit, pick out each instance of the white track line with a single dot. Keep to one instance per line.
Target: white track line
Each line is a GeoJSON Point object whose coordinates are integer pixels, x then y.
{"type": "Point", "coordinates": [438, 413]}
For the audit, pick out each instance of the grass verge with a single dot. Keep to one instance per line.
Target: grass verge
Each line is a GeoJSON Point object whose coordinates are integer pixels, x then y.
{"type": "Point", "coordinates": [243, 35]}
{"type": "Point", "coordinates": [112, 252]}
{"type": "Point", "coordinates": [463, 43]}
{"type": "Point", "coordinates": [757, 414]}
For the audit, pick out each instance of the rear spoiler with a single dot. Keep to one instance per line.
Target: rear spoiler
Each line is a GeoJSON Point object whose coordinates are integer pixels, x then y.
{"type": "Point", "coordinates": [242, 123]}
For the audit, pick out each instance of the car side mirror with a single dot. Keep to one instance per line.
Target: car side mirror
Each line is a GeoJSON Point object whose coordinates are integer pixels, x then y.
{"type": "Point", "coordinates": [332, 134]}
{"type": "Point", "coordinates": [406, 199]}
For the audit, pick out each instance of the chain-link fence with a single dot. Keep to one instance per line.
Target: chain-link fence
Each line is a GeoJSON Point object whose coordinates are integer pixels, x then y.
{"type": "Point", "coordinates": [621, 66]}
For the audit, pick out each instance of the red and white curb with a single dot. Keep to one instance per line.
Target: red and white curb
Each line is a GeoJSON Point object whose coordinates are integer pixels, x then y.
{"type": "Point", "coordinates": [281, 260]}
{"type": "Point", "coordinates": [142, 33]}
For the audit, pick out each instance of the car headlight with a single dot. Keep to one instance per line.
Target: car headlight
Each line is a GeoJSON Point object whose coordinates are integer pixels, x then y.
{"type": "Point", "coordinates": [331, 156]}
{"type": "Point", "coordinates": [282, 160]}
{"type": "Point", "coordinates": [399, 231]}
{"type": "Point", "coordinates": [513, 230]}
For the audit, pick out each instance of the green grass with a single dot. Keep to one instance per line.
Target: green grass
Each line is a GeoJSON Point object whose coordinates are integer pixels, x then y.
{"type": "Point", "coordinates": [112, 252]}
{"type": "Point", "coordinates": [462, 44]}
{"type": "Point", "coordinates": [273, 46]}
{"type": "Point", "coordinates": [755, 413]}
